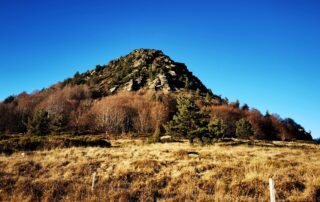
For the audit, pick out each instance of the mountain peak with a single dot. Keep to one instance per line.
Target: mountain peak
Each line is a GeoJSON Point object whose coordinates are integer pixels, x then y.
{"type": "Point", "coordinates": [142, 69]}
{"type": "Point", "coordinates": [146, 51]}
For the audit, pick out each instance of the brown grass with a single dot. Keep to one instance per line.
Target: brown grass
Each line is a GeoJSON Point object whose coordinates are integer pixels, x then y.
{"type": "Point", "coordinates": [134, 171]}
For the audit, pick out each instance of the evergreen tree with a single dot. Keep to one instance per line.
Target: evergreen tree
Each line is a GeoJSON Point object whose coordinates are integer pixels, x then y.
{"type": "Point", "coordinates": [77, 79]}
{"type": "Point", "coordinates": [237, 104]}
{"type": "Point", "coordinates": [99, 68]}
{"type": "Point", "coordinates": [201, 131]}
{"type": "Point", "coordinates": [267, 115]}
{"type": "Point", "coordinates": [225, 100]}
{"type": "Point", "coordinates": [39, 124]}
{"type": "Point", "coordinates": [243, 128]}
{"type": "Point", "coordinates": [245, 107]}
{"type": "Point", "coordinates": [189, 122]}
{"type": "Point", "coordinates": [58, 123]}
{"type": "Point", "coordinates": [217, 128]}
{"type": "Point", "coordinates": [9, 99]}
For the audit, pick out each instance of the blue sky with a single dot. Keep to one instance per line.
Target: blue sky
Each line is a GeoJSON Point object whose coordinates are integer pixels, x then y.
{"type": "Point", "coordinates": [264, 53]}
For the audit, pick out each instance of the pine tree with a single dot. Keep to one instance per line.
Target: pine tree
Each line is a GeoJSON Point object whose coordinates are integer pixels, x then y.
{"type": "Point", "coordinates": [217, 128]}
{"type": "Point", "coordinates": [39, 124]}
{"type": "Point", "coordinates": [58, 123]}
{"type": "Point", "coordinates": [189, 122]}
{"type": "Point", "coordinates": [267, 115]}
{"type": "Point", "coordinates": [245, 107]}
{"type": "Point", "coordinates": [201, 130]}
{"type": "Point", "coordinates": [237, 104]}
{"type": "Point", "coordinates": [9, 99]}
{"type": "Point", "coordinates": [243, 128]}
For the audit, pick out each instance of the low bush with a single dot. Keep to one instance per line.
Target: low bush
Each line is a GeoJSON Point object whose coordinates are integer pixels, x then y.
{"type": "Point", "coordinates": [6, 147]}
{"type": "Point", "coordinates": [33, 143]}
{"type": "Point", "coordinates": [85, 141]}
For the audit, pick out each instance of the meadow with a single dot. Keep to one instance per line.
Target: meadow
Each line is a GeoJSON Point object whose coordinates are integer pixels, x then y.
{"type": "Point", "coordinates": [134, 170]}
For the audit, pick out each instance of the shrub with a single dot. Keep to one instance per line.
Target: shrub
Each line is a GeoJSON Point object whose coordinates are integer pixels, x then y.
{"type": "Point", "coordinates": [229, 114]}
{"type": "Point", "coordinates": [30, 143]}
{"type": "Point", "coordinates": [88, 141]}
{"type": "Point", "coordinates": [128, 112]}
{"type": "Point", "coordinates": [6, 147]}
{"type": "Point", "coordinates": [23, 143]}
{"type": "Point", "coordinates": [9, 99]}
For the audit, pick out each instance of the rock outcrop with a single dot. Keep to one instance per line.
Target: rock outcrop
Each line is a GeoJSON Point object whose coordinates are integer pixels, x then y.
{"type": "Point", "coordinates": [142, 69]}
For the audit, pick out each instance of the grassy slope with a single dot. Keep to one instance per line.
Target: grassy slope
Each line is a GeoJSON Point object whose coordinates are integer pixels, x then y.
{"type": "Point", "coordinates": [135, 171]}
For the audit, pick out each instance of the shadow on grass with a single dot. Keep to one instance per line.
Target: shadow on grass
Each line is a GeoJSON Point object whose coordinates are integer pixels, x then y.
{"type": "Point", "coordinates": [265, 143]}
{"type": "Point", "coordinates": [33, 143]}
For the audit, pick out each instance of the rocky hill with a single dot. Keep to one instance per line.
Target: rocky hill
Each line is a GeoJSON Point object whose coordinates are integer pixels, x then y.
{"type": "Point", "coordinates": [82, 105]}
{"type": "Point", "coordinates": [142, 69]}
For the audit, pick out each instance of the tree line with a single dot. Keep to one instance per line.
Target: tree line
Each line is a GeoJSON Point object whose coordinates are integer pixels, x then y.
{"type": "Point", "coordinates": [75, 110]}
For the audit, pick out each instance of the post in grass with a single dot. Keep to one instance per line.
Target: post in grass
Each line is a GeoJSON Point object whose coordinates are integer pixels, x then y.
{"type": "Point", "coordinates": [272, 190]}
{"type": "Point", "coordinates": [93, 181]}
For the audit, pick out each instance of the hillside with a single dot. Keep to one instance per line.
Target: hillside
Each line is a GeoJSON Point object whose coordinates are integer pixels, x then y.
{"type": "Point", "coordinates": [142, 69]}
{"type": "Point", "coordinates": [138, 94]}
{"type": "Point", "coordinates": [119, 133]}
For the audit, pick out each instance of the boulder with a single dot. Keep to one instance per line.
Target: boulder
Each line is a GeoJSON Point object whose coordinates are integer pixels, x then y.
{"type": "Point", "coordinates": [193, 154]}
{"type": "Point", "coordinates": [166, 138]}
{"type": "Point", "coordinates": [172, 73]}
{"type": "Point", "coordinates": [129, 86]}
{"type": "Point", "coordinates": [113, 89]}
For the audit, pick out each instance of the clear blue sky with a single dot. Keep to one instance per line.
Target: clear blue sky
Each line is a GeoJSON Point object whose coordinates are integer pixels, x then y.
{"type": "Point", "coordinates": [264, 53]}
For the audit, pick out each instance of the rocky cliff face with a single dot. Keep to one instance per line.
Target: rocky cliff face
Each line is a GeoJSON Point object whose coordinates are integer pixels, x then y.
{"type": "Point", "coordinates": [142, 69]}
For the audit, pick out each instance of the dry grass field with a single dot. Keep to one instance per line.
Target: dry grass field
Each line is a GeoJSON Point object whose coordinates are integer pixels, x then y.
{"type": "Point", "coordinates": [132, 170]}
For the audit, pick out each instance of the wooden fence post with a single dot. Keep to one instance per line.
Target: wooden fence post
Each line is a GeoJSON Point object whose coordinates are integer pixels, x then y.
{"type": "Point", "coordinates": [272, 190]}
{"type": "Point", "coordinates": [93, 181]}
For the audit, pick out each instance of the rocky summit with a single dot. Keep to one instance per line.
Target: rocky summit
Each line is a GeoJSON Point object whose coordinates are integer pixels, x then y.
{"type": "Point", "coordinates": [142, 69]}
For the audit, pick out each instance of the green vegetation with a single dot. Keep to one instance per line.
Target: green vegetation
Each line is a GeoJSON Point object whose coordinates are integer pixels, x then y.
{"type": "Point", "coordinates": [95, 102]}
{"type": "Point", "coordinates": [243, 128]}
{"type": "Point", "coordinates": [32, 143]}
{"type": "Point", "coordinates": [217, 128]}
{"type": "Point", "coordinates": [189, 122]}
{"type": "Point", "coordinates": [232, 169]}
{"type": "Point", "coordinates": [39, 123]}
{"type": "Point", "coordinates": [8, 99]}
{"type": "Point", "coordinates": [58, 123]}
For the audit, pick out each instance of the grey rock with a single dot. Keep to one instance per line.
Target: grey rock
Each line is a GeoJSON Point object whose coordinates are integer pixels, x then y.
{"type": "Point", "coordinates": [113, 89]}
{"type": "Point", "coordinates": [172, 73]}
{"type": "Point", "coordinates": [166, 138]}
{"type": "Point", "coordinates": [128, 86]}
